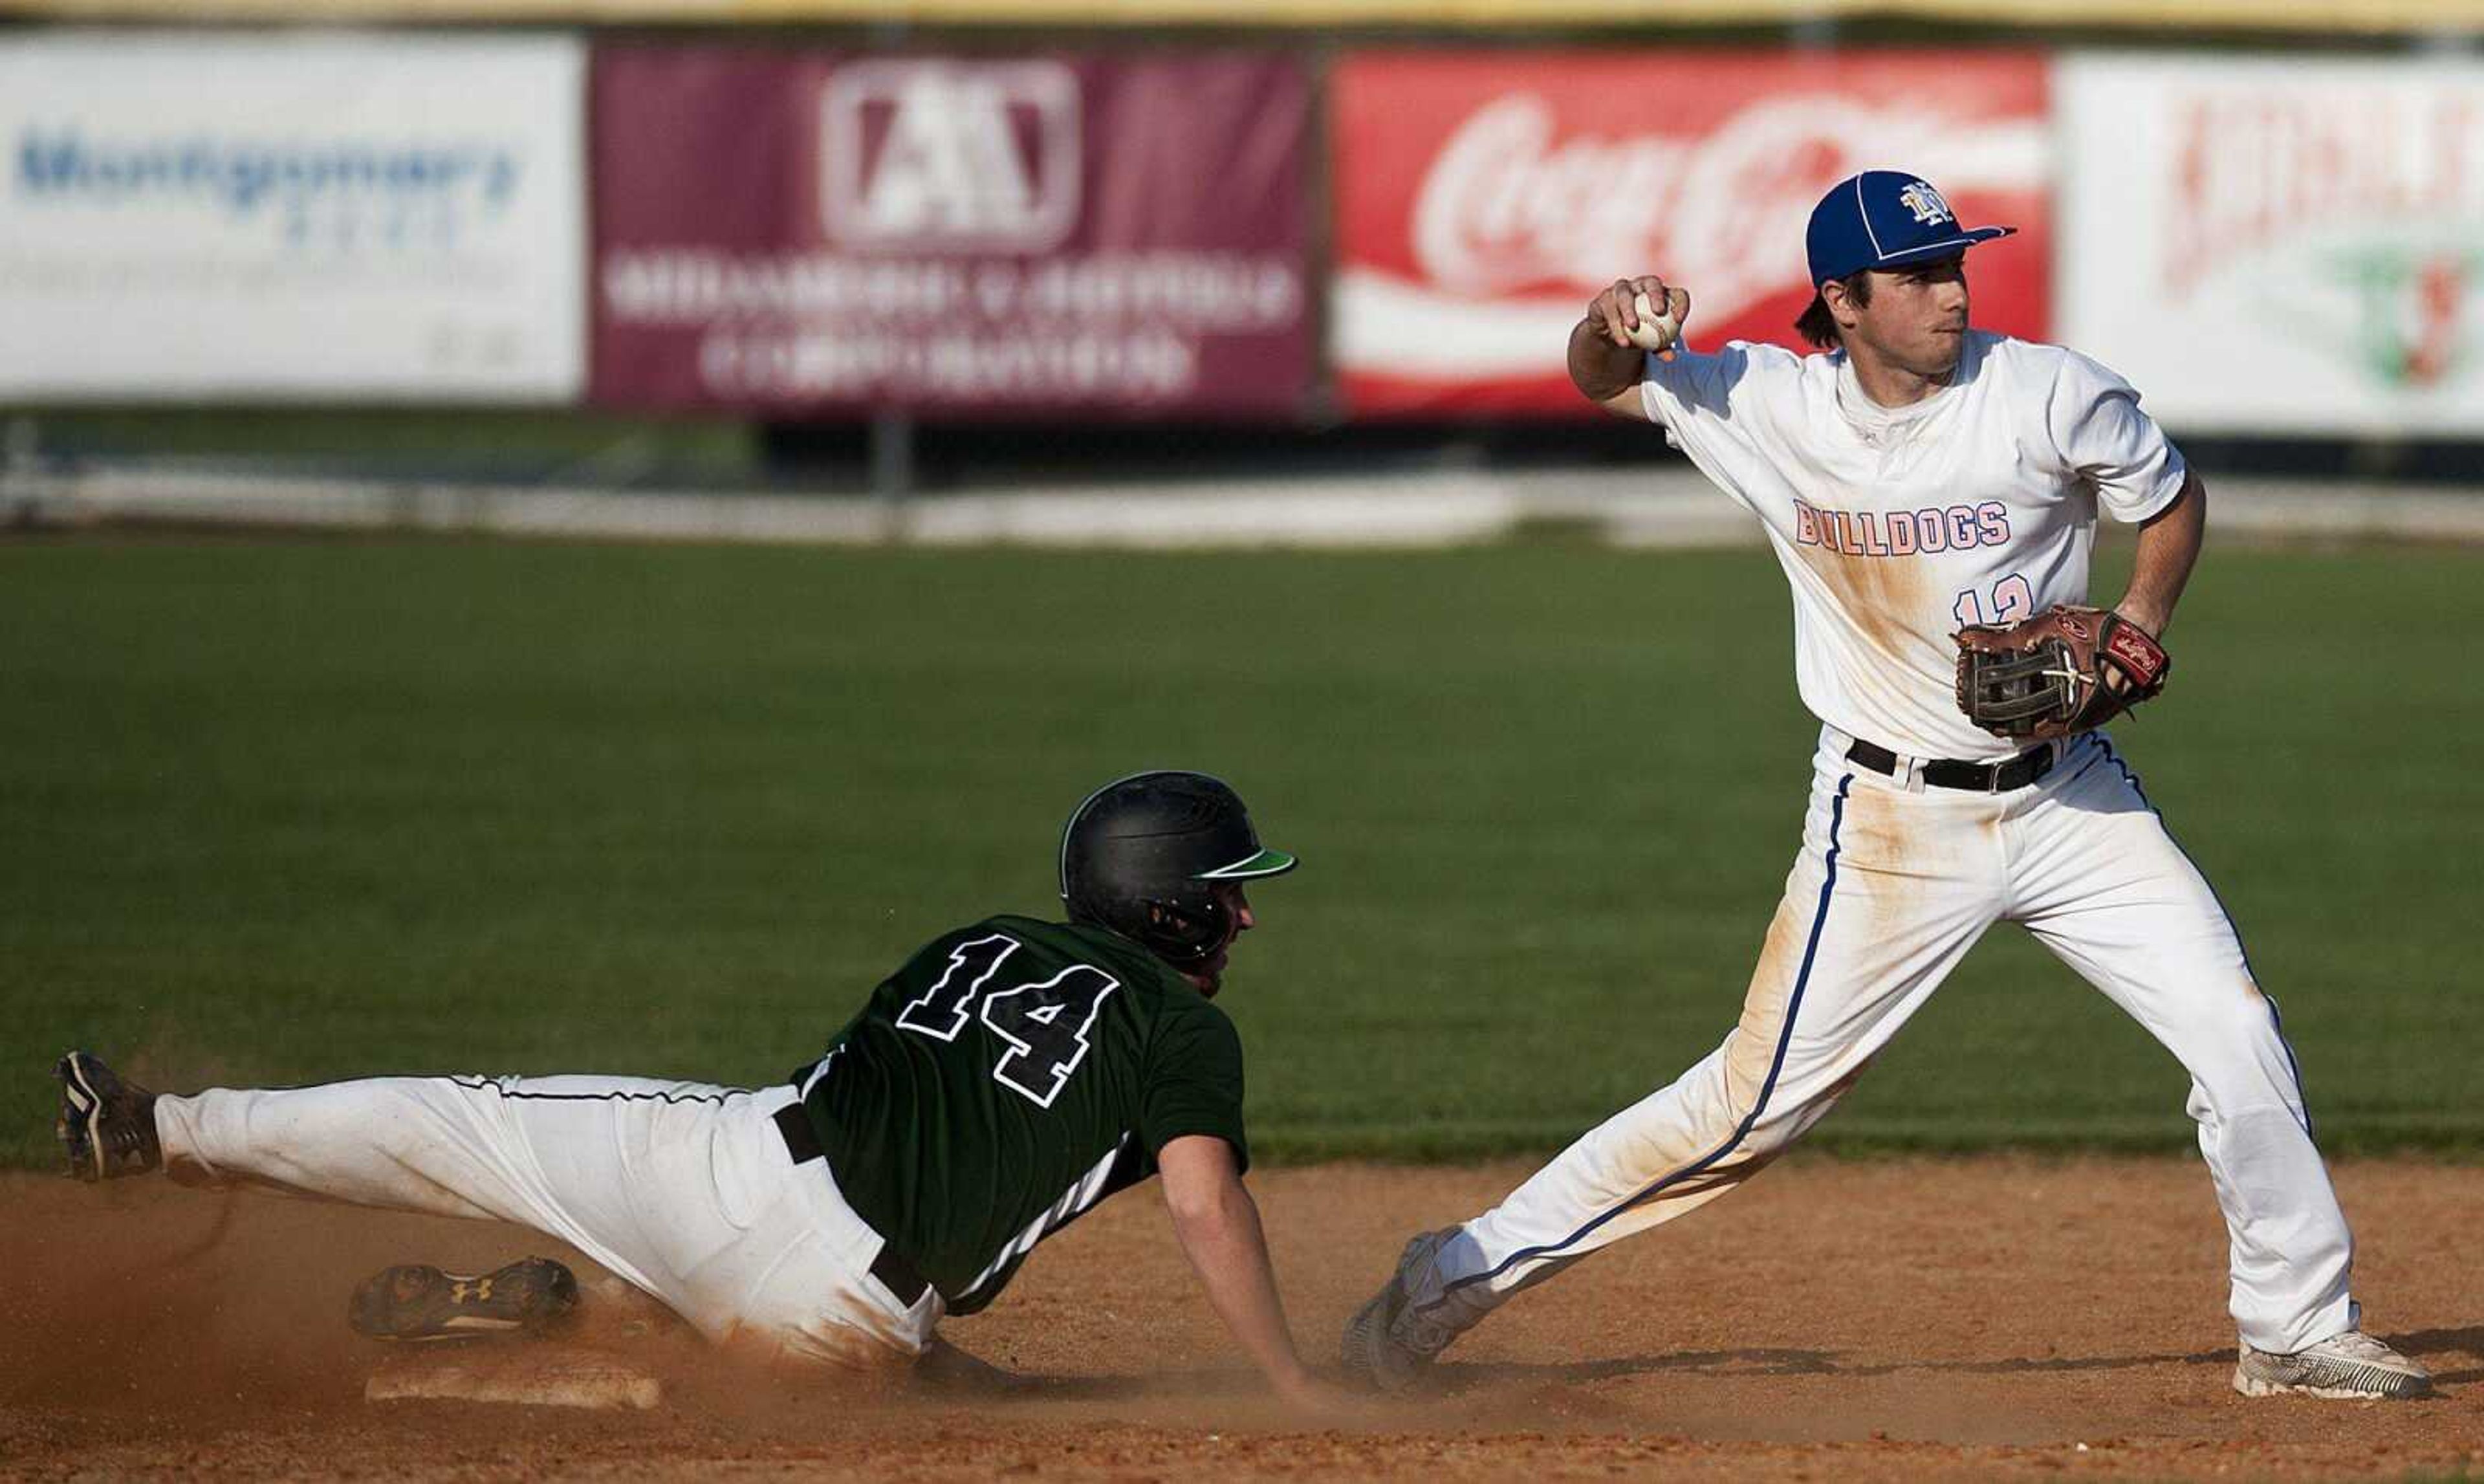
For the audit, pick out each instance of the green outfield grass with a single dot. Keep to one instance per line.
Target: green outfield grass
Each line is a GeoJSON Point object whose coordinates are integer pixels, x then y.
{"type": "Point", "coordinates": [279, 812]}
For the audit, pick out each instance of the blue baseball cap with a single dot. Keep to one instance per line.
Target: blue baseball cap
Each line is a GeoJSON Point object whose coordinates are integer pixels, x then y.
{"type": "Point", "coordinates": [1881, 219]}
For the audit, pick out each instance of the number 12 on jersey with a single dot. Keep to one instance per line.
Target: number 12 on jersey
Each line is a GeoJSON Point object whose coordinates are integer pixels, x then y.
{"type": "Point", "coordinates": [2013, 600]}
{"type": "Point", "coordinates": [1044, 1025]}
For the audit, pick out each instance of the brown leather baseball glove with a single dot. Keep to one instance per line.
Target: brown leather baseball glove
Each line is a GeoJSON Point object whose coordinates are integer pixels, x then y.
{"type": "Point", "coordinates": [2057, 674]}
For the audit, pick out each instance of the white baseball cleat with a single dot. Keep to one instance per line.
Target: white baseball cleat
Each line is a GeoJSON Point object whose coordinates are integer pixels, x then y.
{"type": "Point", "coordinates": [2352, 1366]}
{"type": "Point", "coordinates": [1389, 1345]}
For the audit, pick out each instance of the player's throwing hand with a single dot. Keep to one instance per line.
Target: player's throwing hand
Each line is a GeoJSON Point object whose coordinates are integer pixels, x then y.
{"type": "Point", "coordinates": [1640, 313]}
{"type": "Point", "coordinates": [1609, 346]}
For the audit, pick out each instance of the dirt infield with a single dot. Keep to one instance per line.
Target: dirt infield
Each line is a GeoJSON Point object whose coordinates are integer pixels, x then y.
{"type": "Point", "coordinates": [1955, 1319]}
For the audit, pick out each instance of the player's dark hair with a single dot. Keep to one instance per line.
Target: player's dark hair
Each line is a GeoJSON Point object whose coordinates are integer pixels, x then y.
{"type": "Point", "coordinates": [1819, 326]}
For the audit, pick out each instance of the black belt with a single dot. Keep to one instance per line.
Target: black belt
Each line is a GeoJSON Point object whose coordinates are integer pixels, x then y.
{"type": "Point", "coordinates": [1950, 774]}
{"type": "Point", "coordinates": [895, 1274]}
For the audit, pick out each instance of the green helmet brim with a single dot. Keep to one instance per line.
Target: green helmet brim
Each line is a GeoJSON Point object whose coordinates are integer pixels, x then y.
{"type": "Point", "coordinates": [1264, 863]}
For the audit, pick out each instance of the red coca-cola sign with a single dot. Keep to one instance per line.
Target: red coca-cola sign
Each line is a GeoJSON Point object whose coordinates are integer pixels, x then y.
{"type": "Point", "coordinates": [1483, 197]}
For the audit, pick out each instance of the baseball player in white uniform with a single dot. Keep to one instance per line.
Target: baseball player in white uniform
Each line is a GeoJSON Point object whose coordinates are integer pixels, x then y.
{"type": "Point", "coordinates": [1916, 477]}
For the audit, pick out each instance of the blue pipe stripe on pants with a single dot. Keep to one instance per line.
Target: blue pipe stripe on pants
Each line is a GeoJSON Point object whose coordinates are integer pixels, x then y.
{"type": "Point", "coordinates": [1743, 1131]}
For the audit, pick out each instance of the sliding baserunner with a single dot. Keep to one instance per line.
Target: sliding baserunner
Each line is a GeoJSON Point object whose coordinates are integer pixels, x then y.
{"type": "Point", "coordinates": [1007, 1078]}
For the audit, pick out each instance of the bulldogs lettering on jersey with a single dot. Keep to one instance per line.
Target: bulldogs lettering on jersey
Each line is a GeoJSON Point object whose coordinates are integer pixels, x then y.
{"type": "Point", "coordinates": [1901, 532]}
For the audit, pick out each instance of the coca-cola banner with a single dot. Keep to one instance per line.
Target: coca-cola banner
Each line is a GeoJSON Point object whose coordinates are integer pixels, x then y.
{"type": "Point", "coordinates": [1484, 195]}
{"type": "Point", "coordinates": [2280, 245]}
{"type": "Point", "coordinates": [804, 231]}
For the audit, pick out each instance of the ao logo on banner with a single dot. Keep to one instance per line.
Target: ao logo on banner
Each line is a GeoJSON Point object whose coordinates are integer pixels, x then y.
{"type": "Point", "coordinates": [948, 155]}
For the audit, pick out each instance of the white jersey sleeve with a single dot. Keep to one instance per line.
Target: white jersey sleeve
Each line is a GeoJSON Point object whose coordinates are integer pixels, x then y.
{"type": "Point", "coordinates": [1713, 408]}
{"type": "Point", "coordinates": [2103, 438]}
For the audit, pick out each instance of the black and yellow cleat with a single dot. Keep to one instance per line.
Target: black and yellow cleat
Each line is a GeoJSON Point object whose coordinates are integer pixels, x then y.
{"type": "Point", "coordinates": [418, 1302]}
{"type": "Point", "coordinates": [106, 1125]}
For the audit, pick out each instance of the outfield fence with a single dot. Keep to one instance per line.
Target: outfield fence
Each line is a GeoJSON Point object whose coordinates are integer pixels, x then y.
{"type": "Point", "coordinates": [1287, 235]}
{"type": "Point", "coordinates": [1670, 507]}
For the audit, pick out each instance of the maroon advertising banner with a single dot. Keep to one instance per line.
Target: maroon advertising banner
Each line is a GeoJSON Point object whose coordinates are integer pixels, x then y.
{"type": "Point", "coordinates": [815, 232]}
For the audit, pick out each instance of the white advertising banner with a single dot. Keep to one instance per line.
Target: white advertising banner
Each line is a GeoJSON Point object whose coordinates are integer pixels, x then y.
{"type": "Point", "coordinates": [328, 218]}
{"type": "Point", "coordinates": [2279, 246]}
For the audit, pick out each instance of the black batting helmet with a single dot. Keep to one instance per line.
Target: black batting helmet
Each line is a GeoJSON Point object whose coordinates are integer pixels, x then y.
{"type": "Point", "coordinates": [1142, 857]}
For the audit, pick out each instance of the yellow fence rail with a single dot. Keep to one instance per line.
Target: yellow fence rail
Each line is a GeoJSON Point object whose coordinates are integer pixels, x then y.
{"type": "Point", "coordinates": [2453, 17]}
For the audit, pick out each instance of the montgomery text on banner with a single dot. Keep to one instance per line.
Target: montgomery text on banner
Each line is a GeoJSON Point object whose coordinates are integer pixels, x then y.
{"type": "Point", "coordinates": [328, 218]}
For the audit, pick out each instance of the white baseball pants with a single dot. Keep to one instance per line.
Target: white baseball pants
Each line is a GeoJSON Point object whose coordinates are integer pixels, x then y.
{"type": "Point", "coordinates": [682, 1189]}
{"type": "Point", "coordinates": [1893, 886]}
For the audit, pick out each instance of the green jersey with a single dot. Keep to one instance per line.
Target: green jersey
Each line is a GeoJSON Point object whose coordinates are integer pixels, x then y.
{"type": "Point", "coordinates": [1007, 1078]}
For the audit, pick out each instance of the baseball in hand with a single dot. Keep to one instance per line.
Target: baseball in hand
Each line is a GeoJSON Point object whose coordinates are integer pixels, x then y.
{"type": "Point", "coordinates": [1655, 332]}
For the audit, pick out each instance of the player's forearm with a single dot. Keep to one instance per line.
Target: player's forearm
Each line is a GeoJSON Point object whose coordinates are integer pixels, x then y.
{"type": "Point", "coordinates": [1222, 1239]}
{"type": "Point", "coordinates": [2169, 548]}
{"type": "Point", "coordinates": [1598, 368]}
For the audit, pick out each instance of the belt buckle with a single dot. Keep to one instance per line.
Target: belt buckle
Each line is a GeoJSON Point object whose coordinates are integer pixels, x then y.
{"type": "Point", "coordinates": [2035, 769]}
